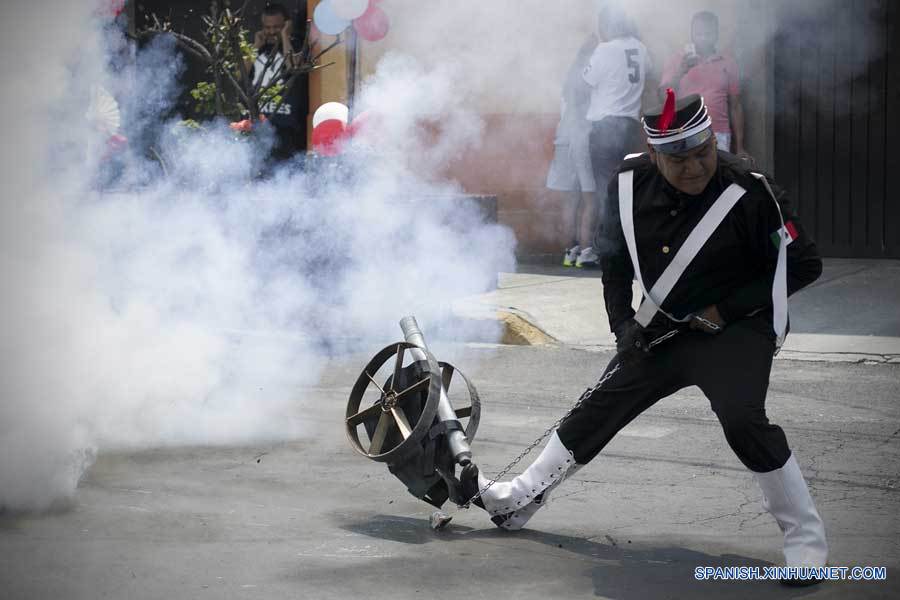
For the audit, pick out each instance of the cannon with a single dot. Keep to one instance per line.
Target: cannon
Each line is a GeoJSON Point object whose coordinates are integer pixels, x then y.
{"type": "Point", "coordinates": [400, 413]}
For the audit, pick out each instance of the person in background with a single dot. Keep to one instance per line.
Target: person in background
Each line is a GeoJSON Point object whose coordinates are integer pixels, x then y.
{"type": "Point", "coordinates": [274, 44]}
{"type": "Point", "coordinates": [616, 73]}
{"type": "Point", "coordinates": [570, 173]}
{"type": "Point", "coordinates": [701, 69]}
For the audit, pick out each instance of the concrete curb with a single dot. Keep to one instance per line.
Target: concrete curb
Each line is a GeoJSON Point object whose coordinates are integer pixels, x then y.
{"type": "Point", "coordinates": [520, 330]}
{"type": "Point", "coordinates": [850, 315]}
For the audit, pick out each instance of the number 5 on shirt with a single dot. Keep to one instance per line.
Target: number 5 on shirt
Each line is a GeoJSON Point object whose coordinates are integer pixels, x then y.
{"type": "Point", "coordinates": [635, 75]}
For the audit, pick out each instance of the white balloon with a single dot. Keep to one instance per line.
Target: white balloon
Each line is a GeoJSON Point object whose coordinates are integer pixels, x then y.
{"type": "Point", "coordinates": [326, 21]}
{"type": "Point", "coordinates": [331, 110]}
{"type": "Point", "coordinates": [349, 9]}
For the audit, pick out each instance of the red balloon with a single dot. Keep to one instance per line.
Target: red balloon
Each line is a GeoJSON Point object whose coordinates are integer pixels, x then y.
{"type": "Point", "coordinates": [373, 24]}
{"type": "Point", "coordinates": [327, 137]}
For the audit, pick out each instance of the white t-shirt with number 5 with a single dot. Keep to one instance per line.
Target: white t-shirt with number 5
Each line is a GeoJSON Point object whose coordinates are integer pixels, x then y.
{"type": "Point", "coordinates": [616, 75]}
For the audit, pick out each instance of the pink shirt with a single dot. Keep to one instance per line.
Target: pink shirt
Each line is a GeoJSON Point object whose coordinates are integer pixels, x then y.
{"type": "Point", "coordinates": [715, 78]}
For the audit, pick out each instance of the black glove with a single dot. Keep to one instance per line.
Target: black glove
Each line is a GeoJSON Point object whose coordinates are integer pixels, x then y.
{"type": "Point", "coordinates": [631, 341]}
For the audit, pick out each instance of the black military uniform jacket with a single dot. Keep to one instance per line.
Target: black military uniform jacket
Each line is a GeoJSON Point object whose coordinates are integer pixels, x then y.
{"type": "Point", "coordinates": [733, 270]}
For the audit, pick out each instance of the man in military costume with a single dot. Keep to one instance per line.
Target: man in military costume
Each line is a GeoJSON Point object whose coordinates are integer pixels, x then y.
{"type": "Point", "coordinates": [716, 250]}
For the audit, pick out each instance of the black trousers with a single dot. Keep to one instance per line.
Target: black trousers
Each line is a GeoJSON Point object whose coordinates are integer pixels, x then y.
{"type": "Point", "coordinates": [731, 368]}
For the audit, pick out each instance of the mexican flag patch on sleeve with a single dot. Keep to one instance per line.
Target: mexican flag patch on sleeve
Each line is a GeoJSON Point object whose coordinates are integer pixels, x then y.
{"type": "Point", "coordinates": [788, 233]}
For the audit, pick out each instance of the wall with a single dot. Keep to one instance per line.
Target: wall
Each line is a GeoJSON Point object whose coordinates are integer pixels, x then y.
{"type": "Point", "coordinates": [509, 57]}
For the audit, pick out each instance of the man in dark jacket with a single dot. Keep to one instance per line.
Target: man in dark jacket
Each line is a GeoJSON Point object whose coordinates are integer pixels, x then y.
{"type": "Point", "coordinates": [275, 44]}
{"type": "Point", "coordinates": [716, 250]}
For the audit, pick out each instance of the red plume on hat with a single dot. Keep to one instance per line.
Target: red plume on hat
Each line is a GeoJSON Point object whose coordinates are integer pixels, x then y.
{"type": "Point", "coordinates": [668, 113]}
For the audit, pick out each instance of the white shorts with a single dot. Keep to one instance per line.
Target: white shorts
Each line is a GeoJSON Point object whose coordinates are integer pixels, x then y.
{"type": "Point", "coordinates": [571, 169]}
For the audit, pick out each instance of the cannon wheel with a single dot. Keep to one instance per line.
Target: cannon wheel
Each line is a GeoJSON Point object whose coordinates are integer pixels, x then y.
{"type": "Point", "coordinates": [386, 415]}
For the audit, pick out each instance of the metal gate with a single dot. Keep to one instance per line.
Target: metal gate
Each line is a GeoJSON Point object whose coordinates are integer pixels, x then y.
{"type": "Point", "coordinates": [837, 101]}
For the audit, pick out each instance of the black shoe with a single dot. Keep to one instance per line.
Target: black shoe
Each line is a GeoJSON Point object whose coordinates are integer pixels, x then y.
{"type": "Point", "coordinates": [468, 479]}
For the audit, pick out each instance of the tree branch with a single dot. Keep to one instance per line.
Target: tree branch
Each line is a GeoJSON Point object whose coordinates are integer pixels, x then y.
{"type": "Point", "coordinates": [192, 47]}
{"type": "Point", "coordinates": [248, 104]}
{"type": "Point", "coordinates": [234, 31]}
{"type": "Point", "coordinates": [336, 41]}
{"type": "Point", "coordinates": [222, 41]}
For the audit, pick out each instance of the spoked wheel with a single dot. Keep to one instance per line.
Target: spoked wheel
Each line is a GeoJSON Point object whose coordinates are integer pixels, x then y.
{"type": "Point", "coordinates": [397, 413]}
{"type": "Point", "coordinates": [469, 409]}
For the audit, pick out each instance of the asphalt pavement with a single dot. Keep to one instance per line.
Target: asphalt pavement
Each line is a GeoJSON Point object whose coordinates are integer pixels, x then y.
{"type": "Point", "coordinates": [311, 518]}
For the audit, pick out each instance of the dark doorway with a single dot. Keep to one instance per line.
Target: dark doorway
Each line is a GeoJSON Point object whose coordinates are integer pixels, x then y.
{"type": "Point", "coordinates": [837, 100]}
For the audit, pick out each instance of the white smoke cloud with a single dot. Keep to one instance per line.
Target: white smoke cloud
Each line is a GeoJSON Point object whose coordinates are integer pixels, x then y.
{"type": "Point", "coordinates": [190, 308]}
{"type": "Point", "coordinates": [508, 56]}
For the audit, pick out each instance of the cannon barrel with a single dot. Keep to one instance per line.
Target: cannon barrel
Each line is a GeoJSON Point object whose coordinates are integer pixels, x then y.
{"type": "Point", "coordinates": [456, 439]}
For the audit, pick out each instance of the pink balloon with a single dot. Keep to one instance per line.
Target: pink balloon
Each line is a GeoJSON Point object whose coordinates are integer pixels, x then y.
{"type": "Point", "coordinates": [357, 124]}
{"type": "Point", "coordinates": [364, 124]}
{"type": "Point", "coordinates": [373, 25]}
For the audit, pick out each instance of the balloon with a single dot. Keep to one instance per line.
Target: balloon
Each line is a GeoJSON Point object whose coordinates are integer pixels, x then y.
{"type": "Point", "coordinates": [326, 21]}
{"type": "Point", "coordinates": [373, 25]}
{"type": "Point", "coordinates": [327, 137]}
{"type": "Point", "coordinates": [349, 9]}
{"type": "Point", "coordinates": [360, 123]}
{"type": "Point", "coordinates": [331, 110]}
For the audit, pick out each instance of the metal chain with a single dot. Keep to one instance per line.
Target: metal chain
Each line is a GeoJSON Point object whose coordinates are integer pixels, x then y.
{"type": "Point", "coordinates": [710, 324]}
{"type": "Point", "coordinates": [587, 394]}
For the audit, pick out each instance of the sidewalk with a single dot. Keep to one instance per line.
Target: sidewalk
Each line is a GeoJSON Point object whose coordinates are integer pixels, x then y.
{"type": "Point", "coordinates": [852, 313]}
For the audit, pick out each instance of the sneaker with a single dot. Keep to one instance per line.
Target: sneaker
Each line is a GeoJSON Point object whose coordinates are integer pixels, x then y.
{"type": "Point", "coordinates": [587, 258]}
{"type": "Point", "coordinates": [571, 256]}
